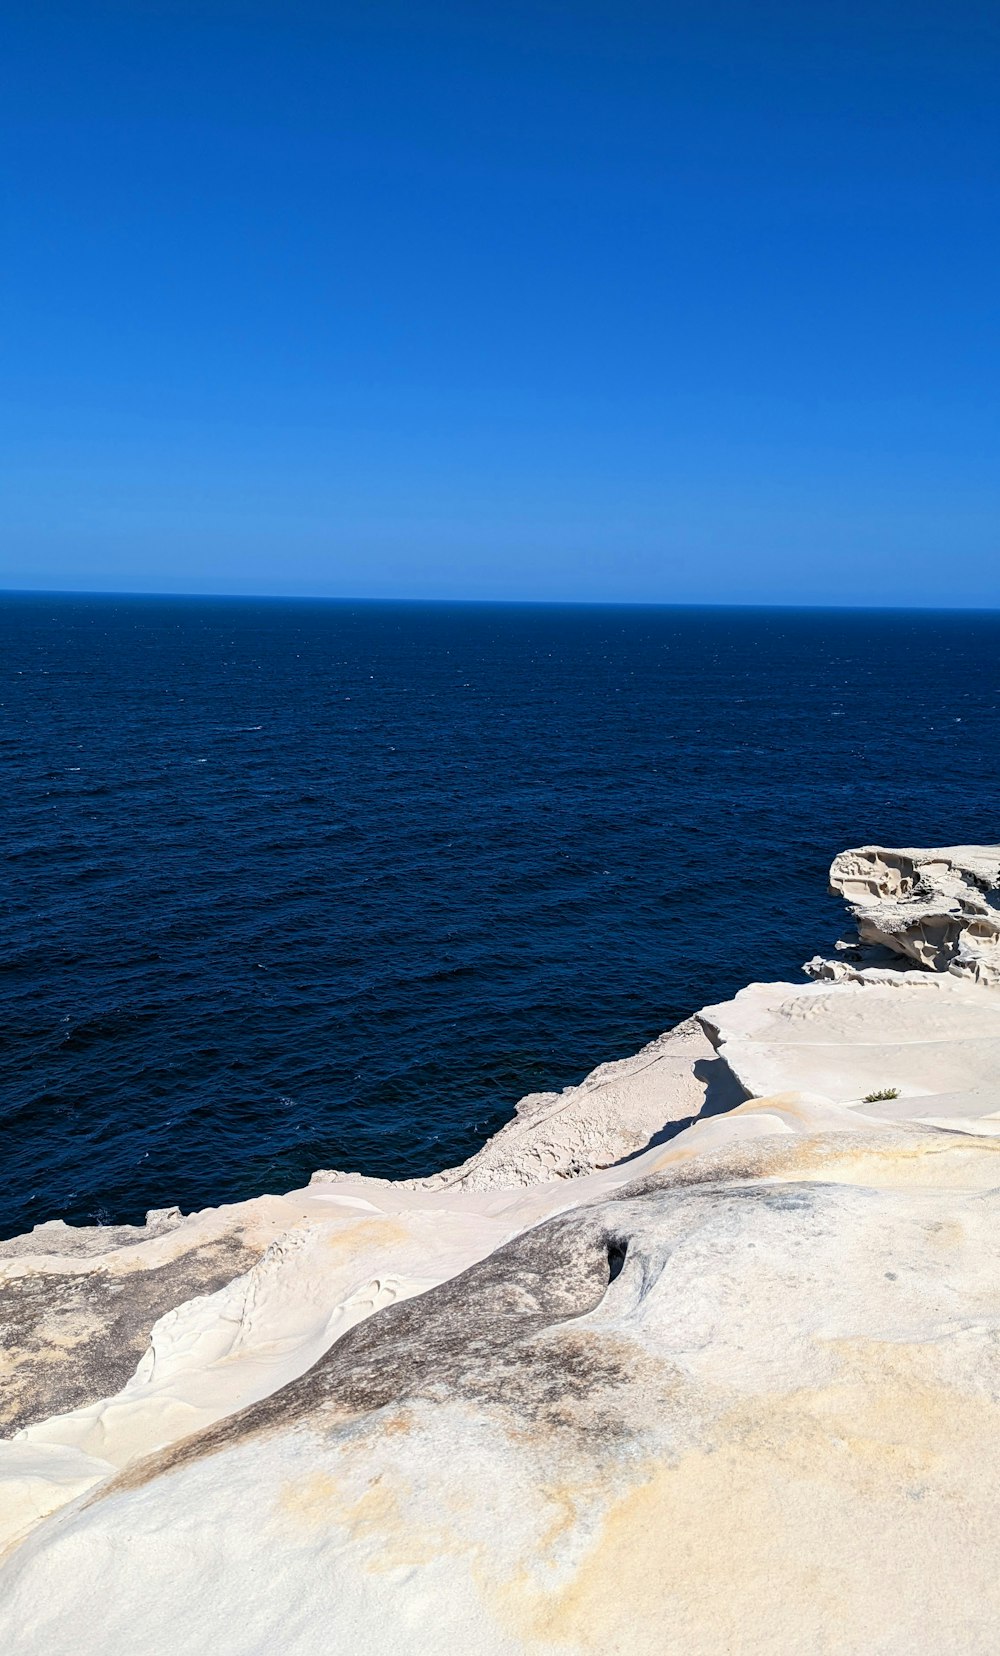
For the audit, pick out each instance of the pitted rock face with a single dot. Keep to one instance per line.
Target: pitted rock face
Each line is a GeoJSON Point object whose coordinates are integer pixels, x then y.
{"type": "Point", "coordinates": [939, 907]}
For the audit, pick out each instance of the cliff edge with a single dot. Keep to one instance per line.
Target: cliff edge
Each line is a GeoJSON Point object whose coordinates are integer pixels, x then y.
{"type": "Point", "coordinates": [701, 1355]}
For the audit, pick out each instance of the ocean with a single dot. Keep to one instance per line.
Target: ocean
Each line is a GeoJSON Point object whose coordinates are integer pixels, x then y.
{"type": "Point", "coordinates": [324, 884]}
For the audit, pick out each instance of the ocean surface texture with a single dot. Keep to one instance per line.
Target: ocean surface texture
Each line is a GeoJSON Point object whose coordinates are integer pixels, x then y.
{"type": "Point", "coordinates": [292, 885]}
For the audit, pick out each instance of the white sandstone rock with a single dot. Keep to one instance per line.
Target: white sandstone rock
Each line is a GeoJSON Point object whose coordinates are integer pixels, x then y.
{"type": "Point", "coordinates": [656, 1370]}
{"type": "Point", "coordinates": [939, 907]}
{"type": "Point", "coordinates": [934, 1040]}
{"type": "Point", "coordinates": [752, 1403]}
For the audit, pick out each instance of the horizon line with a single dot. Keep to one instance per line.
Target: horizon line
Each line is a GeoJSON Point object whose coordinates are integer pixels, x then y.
{"type": "Point", "coordinates": [499, 603]}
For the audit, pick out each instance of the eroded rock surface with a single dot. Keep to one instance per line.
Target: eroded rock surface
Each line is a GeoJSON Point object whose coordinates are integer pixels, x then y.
{"type": "Point", "coordinates": [700, 1355]}
{"type": "Point", "coordinates": [686, 1418]}
{"type": "Point", "coordinates": [939, 908]}
{"type": "Point", "coordinates": [68, 1339]}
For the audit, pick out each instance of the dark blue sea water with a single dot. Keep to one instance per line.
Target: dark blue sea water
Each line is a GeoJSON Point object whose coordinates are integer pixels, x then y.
{"type": "Point", "coordinates": [291, 885]}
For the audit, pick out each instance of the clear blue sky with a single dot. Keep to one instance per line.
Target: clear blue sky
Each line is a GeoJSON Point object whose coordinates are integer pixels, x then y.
{"type": "Point", "coordinates": [670, 302]}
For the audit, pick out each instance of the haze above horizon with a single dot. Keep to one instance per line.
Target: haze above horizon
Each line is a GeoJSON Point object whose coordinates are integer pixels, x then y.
{"type": "Point", "coordinates": [662, 304]}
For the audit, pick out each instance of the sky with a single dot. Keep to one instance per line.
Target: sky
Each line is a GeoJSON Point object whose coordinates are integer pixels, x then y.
{"type": "Point", "coordinates": [680, 303]}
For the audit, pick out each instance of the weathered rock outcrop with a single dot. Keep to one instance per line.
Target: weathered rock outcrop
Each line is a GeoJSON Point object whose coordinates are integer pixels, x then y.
{"type": "Point", "coordinates": [656, 1371]}
{"type": "Point", "coordinates": [749, 1403]}
{"type": "Point", "coordinates": [939, 908]}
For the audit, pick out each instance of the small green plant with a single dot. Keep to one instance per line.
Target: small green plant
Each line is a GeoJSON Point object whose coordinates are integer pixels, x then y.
{"type": "Point", "coordinates": [881, 1096]}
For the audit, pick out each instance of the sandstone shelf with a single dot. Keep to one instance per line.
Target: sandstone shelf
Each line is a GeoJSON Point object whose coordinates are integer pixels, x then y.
{"type": "Point", "coordinates": [699, 1356]}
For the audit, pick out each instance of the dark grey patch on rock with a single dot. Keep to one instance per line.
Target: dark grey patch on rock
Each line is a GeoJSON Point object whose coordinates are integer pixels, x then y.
{"type": "Point", "coordinates": [70, 1339]}
{"type": "Point", "coordinates": [505, 1335]}
{"type": "Point", "coordinates": [780, 1198]}
{"type": "Point", "coordinates": [497, 1336]}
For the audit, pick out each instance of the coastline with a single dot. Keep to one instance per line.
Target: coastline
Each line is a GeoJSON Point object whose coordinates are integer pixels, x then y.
{"type": "Point", "coordinates": [154, 1362]}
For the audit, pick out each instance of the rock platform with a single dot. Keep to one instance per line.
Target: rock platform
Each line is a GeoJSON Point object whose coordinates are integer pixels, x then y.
{"type": "Point", "coordinates": [700, 1356]}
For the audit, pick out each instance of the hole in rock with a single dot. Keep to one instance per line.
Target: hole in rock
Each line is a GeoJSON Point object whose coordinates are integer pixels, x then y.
{"type": "Point", "coordinates": [616, 1258]}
